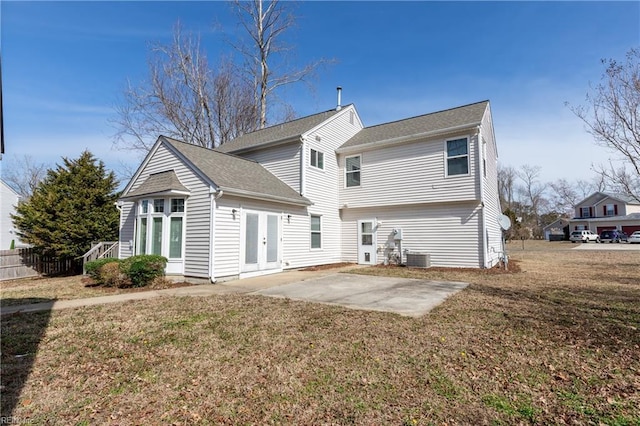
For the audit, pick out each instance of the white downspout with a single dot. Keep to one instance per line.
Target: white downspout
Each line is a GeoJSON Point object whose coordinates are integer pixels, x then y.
{"type": "Point", "coordinates": [303, 169]}
{"type": "Point", "coordinates": [212, 239]}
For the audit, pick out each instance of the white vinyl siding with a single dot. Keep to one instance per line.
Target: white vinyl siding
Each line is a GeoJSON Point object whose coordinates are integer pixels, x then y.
{"type": "Point", "coordinates": [409, 173]}
{"type": "Point", "coordinates": [283, 161]}
{"type": "Point", "coordinates": [197, 223]}
{"type": "Point", "coordinates": [490, 198]}
{"type": "Point", "coordinates": [321, 188]}
{"type": "Point", "coordinates": [295, 242]}
{"type": "Point", "coordinates": [449, 233]}
{"type": "Point", "coordinates": [8, 201]}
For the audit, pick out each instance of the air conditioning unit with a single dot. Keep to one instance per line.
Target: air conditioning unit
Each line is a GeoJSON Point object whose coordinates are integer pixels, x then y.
{"type": "Point", "coordinates": [418, 260]}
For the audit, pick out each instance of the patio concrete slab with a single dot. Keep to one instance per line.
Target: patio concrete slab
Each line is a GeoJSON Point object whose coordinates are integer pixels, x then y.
{"type": "Point", "coordinates": [404, 296]}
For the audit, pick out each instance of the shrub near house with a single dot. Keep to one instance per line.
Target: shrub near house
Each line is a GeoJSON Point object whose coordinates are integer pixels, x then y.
{"type": "Point", "coordinates": [135, 271]}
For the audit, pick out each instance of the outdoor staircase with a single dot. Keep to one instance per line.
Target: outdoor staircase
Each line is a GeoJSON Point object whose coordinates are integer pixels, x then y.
{"type": "Point", "coordinates": [100, 250]}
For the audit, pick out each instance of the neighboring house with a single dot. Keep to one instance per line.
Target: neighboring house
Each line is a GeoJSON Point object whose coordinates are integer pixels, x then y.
{"type": "Point", "coordinates": [601, 211]}
{"type": "Point", "coordinates": [8, 201]}
{"type": "Point", "coordinates": [557, 230]}
{"type": "Point", "coordinates": [317, 190]}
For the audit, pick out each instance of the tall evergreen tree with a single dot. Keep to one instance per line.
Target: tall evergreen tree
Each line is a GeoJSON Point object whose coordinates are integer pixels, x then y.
{"type": "Point", "coordinates": [73, 206]}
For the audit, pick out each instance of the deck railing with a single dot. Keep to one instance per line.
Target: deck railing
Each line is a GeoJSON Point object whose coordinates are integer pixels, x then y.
{"type": "Point", "coordinates": [100, 250]}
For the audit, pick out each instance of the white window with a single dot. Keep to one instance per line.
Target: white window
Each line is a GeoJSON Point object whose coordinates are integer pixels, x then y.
{"type": "Point", "coordinates": [160, 227]}
{"type": "Point", "coordinates": [317, 159]}
{"type": "Point", "coordinates": [585, 212]}
{"type": "Point", "coordinates": [316, 232]}
{"type": "Point", "coordinates": [352, 171]}
{"type": "Point", "coordinates": [458, 157]}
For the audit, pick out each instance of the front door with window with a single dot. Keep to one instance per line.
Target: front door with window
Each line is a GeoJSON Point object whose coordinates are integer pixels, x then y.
{"type": "Point", "coordinates": [366, 242]}
{"type": "Point", "coordinates": [261, 238]}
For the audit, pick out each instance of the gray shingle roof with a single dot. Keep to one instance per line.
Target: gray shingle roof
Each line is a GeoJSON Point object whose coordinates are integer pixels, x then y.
{"type": "Point", "coordinates": [158, 183]}
{"type": "Point", "coordinates": [237, 175]}
{"type": "Point", "coordinates": [623, 197]}
{"type": "Point", "coordinates": [437, 121]}
{"type": "Point", "coordinates": [280, 132]}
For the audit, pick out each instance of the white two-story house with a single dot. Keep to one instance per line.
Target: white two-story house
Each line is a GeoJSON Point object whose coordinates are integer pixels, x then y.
{"type": "Point", "coordinates": [602, 212]}
{"type": "Point", "coordinates": [317, 190]}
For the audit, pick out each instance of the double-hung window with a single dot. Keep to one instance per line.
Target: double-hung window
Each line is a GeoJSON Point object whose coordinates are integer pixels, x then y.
{"type": "Point", "coordinates": [610, 210]}
{"type": "Point", "coordinates": [352, 171]}
{"type": "Point", "coordinates": [317, 159]}
{"type": "Point", "coordinates": [585, 212]}
{"type": "Point", "coordinates": [316, 232]}
{"type": "Point", "coordinates": [457, 157]}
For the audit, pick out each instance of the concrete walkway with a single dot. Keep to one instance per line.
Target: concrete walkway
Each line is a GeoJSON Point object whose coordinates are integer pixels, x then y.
{"type": "Point", "coordinates": [247, 285]}
{"type": "Point", "coordinates": [400, 295]}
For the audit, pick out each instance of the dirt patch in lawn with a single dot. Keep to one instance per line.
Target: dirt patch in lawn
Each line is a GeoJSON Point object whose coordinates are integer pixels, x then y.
{"type": "Point", "coordinates": [329, 266]}
{"type": "Point", "coordinates": [554, 343]}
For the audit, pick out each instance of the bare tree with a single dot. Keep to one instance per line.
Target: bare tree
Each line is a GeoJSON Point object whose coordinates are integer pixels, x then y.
{"type": "Point", "coordinates": [24, 174]}
{"type": "Point", "coordinates": [565, 195]}
{"type": "Point", "coordinates": [186, 99]}
{"type": "Point", "coordinates": [265, 56]}
{"type": "Point", "coordinates": [612, 117]}
{"type": "Point", "coordinates": [506, 186]}
{"type": "Point", "coordinates": [532, 193]}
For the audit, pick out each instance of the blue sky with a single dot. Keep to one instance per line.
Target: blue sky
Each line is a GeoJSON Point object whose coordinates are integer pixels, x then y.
{"type": "Point", "coordinates": [65, 65]}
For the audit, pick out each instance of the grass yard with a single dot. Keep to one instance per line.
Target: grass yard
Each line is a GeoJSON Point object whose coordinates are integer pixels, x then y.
{"type": "Point", "coordinates": [556, 341]}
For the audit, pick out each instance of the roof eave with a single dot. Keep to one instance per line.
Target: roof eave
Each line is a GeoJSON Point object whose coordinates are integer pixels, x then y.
{"type": "Point", "coordinates": [408, 138]}
{"type": "Point", "coordinates": [303, 202]}
{"type": "Point", "coordinates": [163, 193]}
{"type": "Point", "coordinates": [293, 139]}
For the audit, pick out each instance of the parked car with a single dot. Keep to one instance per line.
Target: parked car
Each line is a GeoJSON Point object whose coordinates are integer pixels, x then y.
{"type": "Point", "coordinates": [613, 236]}
{"type": "Point", "coordinates": [584, 236]}
{"type": "Point", "coordinates": [634, 238]}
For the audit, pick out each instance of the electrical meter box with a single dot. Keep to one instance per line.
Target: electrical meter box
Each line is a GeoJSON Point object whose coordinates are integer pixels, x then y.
{"type": "Point", "coordinates": [397, 234]}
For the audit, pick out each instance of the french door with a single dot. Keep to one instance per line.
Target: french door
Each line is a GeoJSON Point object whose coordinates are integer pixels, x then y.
{"type": "Point", "coordinates": [261, 248]}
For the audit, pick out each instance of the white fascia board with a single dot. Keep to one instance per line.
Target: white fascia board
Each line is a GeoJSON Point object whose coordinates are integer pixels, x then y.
{"type": "Point", "coordinates": [409, 138]}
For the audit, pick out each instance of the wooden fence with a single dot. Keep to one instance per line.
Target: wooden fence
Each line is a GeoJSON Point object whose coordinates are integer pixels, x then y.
{"type": "Point", "coordinates": [24, 263]}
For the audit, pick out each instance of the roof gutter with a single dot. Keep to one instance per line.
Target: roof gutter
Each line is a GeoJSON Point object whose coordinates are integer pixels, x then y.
{"type": "Point", "coordinates": [154, 194]}
{"type": "Point", "coordinates": [303, 202]}
{"type": "Point", "coordinates": [393, 141]}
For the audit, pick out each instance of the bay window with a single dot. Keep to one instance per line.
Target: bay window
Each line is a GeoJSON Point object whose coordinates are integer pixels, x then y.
{"type": "Point", "coordinates": [161, 227]}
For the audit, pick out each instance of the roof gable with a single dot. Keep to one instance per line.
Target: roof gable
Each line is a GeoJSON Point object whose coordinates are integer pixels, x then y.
{"type": "Point", "coordinates": [279, 133]}
{"type": "Point", "coordinates": [598, 197]}
{"type": "Point", "coordinates": [429, 124]}
{"type": "Point", "coordinates": [236, 175]}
